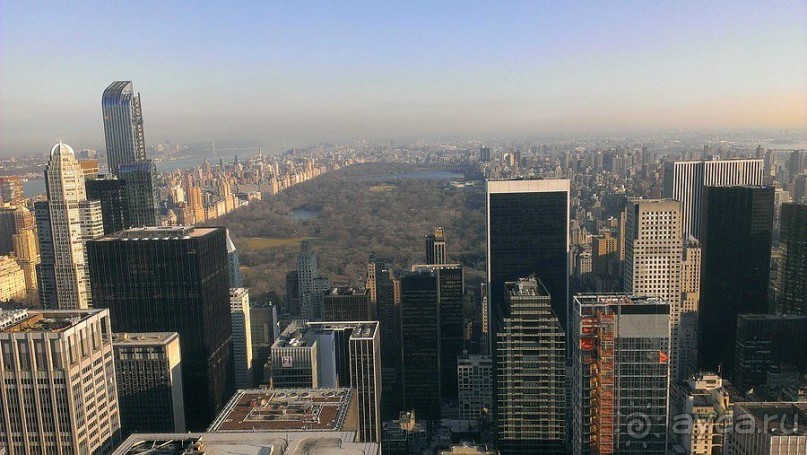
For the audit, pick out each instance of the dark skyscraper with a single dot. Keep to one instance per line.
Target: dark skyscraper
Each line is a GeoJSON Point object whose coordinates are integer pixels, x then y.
{"type": "Point", "coordinates": [431, 336]}
{"type": "Point", "coordinates": [766, 340]}
{"type": "Point", "coordinates": [292, 300]}
{"type": "Point", "coordinates": [45, 273]}
{"type": "Point", "coordinates": [123, 125]}
{"type": "Point", "coordinates": [736, 231]}
{"type": "Point", "coordinates": [389, 320]}
{"type": "Point", "coordinates": [793, 272]}
{"type": "Point", "coordinates": [111, 192]}
{"type": "Point", "coordinates": [142, 196]}
{"type": "Point", "coordinates": [173, 279]}
{"type": "Point", "coordinates": [450, 285]}
{"type": "Point", "coordinates": [347, 304]}
{"type": "Point", "coordinates": [530, 375]}
{"type": "Point", "coordinates": [484, 154]}
{"type": "Point", "coordinates": [528, 234]}
{"type": "Point", "coordinates": [420, 343]}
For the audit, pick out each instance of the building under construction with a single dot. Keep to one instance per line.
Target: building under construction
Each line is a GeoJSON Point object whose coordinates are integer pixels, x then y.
{"type": "Point", "coordinates": [620, 374]}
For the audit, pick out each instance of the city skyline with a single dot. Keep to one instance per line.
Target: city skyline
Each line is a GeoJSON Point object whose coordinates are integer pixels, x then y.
{"type": "Point", "coordinates": [285, 75]}
{"type": "Point", "coordinates": [429, 228]}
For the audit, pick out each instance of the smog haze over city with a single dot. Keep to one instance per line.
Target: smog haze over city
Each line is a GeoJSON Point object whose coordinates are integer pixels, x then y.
{"type": "Point", "coordinates": [283, 74]}
{"type": "Point", "coordinates": [403, 228]}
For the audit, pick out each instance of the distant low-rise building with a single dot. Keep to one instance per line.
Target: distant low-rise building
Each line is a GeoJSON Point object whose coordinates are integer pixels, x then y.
{"type": "Point", "coordinates": [12, 280]}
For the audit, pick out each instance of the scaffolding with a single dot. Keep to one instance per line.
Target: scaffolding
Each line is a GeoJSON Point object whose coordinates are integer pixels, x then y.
{"type": "Point", "coordinates": [602, 396]}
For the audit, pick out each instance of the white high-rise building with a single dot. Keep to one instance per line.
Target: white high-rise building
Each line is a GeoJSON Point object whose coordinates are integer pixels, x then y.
{"type": "Point", "coordinates": [233, 264]}
{"type": "Point", "coordinates": [73, 220]}
{"type": "Point", "coordinates": [59, 391]}
{"type": "Point", "coordinates": [242, 337]}
{"type": "Point", "coordinates": [653, 252]}
{"type": "Point", "coordinates": [684, 181]}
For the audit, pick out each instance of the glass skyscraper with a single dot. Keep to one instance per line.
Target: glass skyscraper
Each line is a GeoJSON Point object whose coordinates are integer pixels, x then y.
{"type": "Point", "coordinates": [142, 193]}
{"type": "Point", "coordinates": [126, 153]}
{"type": "Point", "coordinates": [420, 343]}
{"type": "Point", "coordinates": [528, 234]}
{"type": "Point", "coordinates": [737, 230]}
{"type": "Point", "coordinates": [173, 279]}
{"type": "Point", "coordinates": [112, 194]}
{"type": "Point", "coordinates": [123, 125]}
{"type": "Point", "coordinates": [793, 272]}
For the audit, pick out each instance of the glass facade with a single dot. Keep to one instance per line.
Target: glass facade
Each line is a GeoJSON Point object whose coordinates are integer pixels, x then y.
{"type": "Point", "coordinates": [142, 193]}
{"type": "Point", "coordinates": [528, 234]}
{"type": "Point", "coordinates": [530, 372]}
{"type": "Point", "coordinates": [420, 344]}
{"type": "Point", "coordinates": [45, 273]}
{"type": "Point", "coordinates": [768, 340]}
{"type": "Point", "coordinates": [737, 230]}
{"type": "Point", "coordinates": [450, 283]}
{"type": "Point", "coordinates": [114, 209]}
{"type": "Point", "coordinates": [173, 279]}
{"type": "Point", "coordinates": [123, 125]}
{"type": "Point", "coordinates": [793, 273]}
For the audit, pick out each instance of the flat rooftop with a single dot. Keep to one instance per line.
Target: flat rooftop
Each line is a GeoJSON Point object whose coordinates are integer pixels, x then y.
{"type": "Point", "coordinates": [779, 419]}
{"type": "Point", "coordinates": [143, 338]}
{"type": "Point", "coordinates": [617, 299]}
{"type": "Point", "coordinates": [418, 267]}
{"type": "Point", "coordinates": [286, 410]}
{"type": "Point", "coordinates": [347, 291]}
{"type": "Point", "coordinates": [257, 443]}
{"type": "Point", "coordinates": [47, 321]}
{"type": "Point", "coordinates": [530, 286]}
{"type": "Point", "coordinates": [296, 335]}
{"type": "Point", "coordinates": [773, 317]}
{"type": "Point", "coordinates": [160, 233]}
{"type": "Point", "coordinates": [361, 329]}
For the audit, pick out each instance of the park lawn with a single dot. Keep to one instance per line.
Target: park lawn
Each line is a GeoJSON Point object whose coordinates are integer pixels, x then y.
{"type": "Point", "coordinates": [259, 243]}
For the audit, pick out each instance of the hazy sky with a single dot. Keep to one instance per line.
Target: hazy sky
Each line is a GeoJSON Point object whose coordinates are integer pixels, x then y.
{"type": "Point", "coordinates": [286, 73]}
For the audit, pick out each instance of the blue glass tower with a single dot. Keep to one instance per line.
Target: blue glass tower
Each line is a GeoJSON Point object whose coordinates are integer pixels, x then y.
{"type": "Point", "coordinates": [123, 125]}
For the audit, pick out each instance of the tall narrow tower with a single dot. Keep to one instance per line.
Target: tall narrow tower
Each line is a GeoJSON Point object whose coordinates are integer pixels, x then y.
{"type": "Point", "coordinates": [530, 376]}
{"type": "Point", "coordinates": [72, 220]}
{"type": "Point", "coordinates": [123, 125]}
{"type": "Point", "coordinates": [793, 274]}
{"type": "Point", "coordinates": [436, 247]}
{"type": "Point", "coordinates": [126, 153]}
